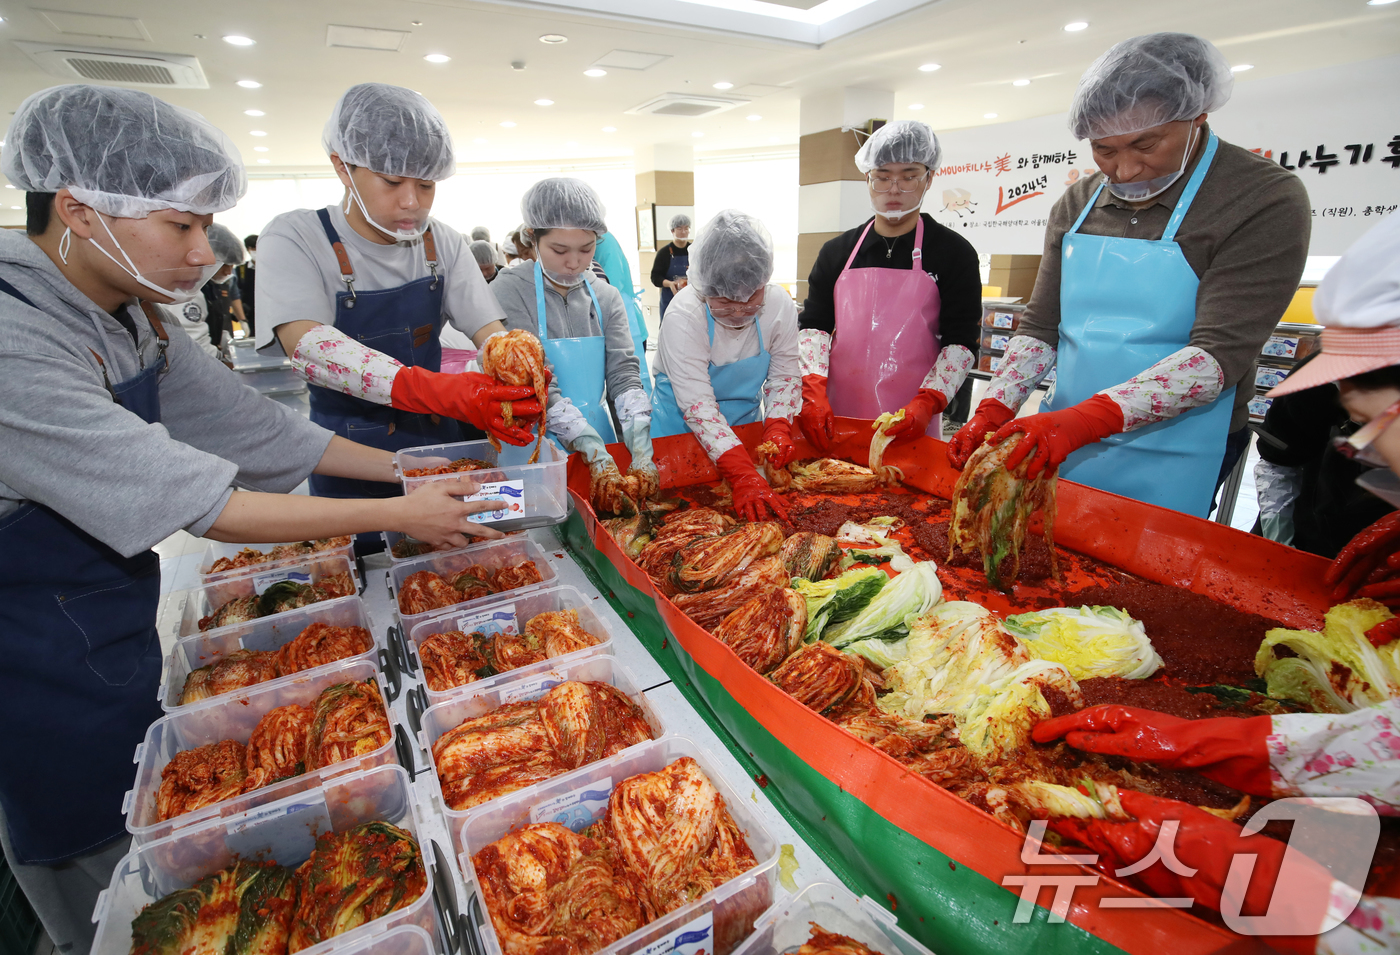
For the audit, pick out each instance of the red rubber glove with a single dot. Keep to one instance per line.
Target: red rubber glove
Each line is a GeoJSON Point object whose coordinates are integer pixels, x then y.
{"type": "Point", "coordinates": [918, 413]}
{"type": "Point", "coordinates": [469, 396]}
{"type": "Point", "coordinates": [816, 417]}
{"type": "Point", "coordinates": [1052, 436]}
{"type": "Point", "coordinates": [1368, 565]}
{"type": "Point", "coordinates": [1226, 749]}
{"type": "Point", "coordinates": [1205, 843]}
{"type": "Point", "coordinates": [779, 432]}
{"type": "Point", "coordinates": [990, 415]}
{"type": "Point", "coordinates": [753, 498]}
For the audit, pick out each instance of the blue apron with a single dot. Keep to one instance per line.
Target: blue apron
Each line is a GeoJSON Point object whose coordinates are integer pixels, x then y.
{"type": "Point", "coordinates": [680, 264]}
{"type": "Point", "coordinates": [738, 388]}
{"type": "Point", "coordinates": [578, 363]}
{"type": "Point", "coordinates": [1125, 304]}
{"type": "Point", "coordinates": [82, 663]}
{"type": "Point", "coordinates": [403, 323]}
{"type": "Point", "coordinates": [610, 256]}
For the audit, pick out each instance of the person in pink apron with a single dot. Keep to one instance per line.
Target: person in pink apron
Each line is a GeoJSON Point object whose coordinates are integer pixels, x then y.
{"type": "Point", "coordinates": [901, 294]}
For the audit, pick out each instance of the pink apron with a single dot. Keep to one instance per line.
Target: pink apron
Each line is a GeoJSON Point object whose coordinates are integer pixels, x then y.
{"type": "Point", "coordinates": [886, 337]}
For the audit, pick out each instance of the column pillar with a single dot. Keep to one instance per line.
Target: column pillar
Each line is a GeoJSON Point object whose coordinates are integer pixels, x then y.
{"type": "Point", "coordinates": [832, 196]}
{"type": "Point", "coordinates": [665, 177]}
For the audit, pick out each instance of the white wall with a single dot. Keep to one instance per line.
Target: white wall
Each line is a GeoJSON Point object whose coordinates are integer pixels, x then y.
{"type": "Point", "coordinates": [763, 187]}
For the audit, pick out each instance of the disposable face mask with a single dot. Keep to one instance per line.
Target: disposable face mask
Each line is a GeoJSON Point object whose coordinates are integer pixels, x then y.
{"type": "Point", "coordinates": [225, 280]}
{"type": "Point", "coordinates": [566, 279]}
{"type": "Point", "coordinates": [397, 236]}
{"type": "Point", "coordinates": [195, 275]}
{"type": "Point", "coordinates": [897, 214]}
{"type": "Point", "coordinates": [1151, 188]}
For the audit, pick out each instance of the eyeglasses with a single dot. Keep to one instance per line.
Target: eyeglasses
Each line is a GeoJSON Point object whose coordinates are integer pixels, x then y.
{"type": "Point", "coordinates": [902, 183]}
{"type": "Point", "coordinates": [728, 308]}
{"type": "Point", "coordinates": [1358, 448]}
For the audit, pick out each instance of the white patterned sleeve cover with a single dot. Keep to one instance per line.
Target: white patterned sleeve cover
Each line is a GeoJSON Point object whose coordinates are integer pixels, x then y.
{"type": "Point", "coordinates": [1026, 362]}
{"type": "Point", "coordinates": [947, 374]}
{"type": "Point", "coordinates": [1372, 928]}
{"type": "Point", "coordinates": [1350, 754]}
{"type": "Point", "coordinates": [710, 427]}
{"type": "Point", "coordinates": [782, 397]}
{"type": "Point", "coordinates": [328, 357]}
{"type": "Point", "coordinates": [1183, 380]}
{"type": "Point", "coordinates": [814, 352]}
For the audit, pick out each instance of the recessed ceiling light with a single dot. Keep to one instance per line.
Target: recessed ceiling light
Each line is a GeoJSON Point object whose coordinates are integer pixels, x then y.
{"type": "Point", "coordinates": [1020, 82]}
{"type": "Point", "coordinates": [930, 67]}
{"type": "Point", "coordinates": [753, 118]}
{"type": "Point", "coordinates": [480, 142]}
{"type": "Point", "coordinates": [237, 40]}
{"type": "Point", "coordinates": [508, 124]}
{"type": "Point", "coordinates": [595, 72]}
{"type": "Point", "coordinates": [916, 105]}
{"type": "Point", "coordinates": [8, 186]}
{"type": "Point", "coordinates": [609, 129]}
{"type": "Point", "coordinates": [264, 161]}
{"type": "Point", "coordinates": [253, 112]}
{"type": "Point", "coordinates": [437, 58]}
{"type": "Point", "coordinates": [415, 23]}
{"type": "Point", "coordinates": [544, 102]}
{"type": "Point", "coordinates": [697, 134]}
{"type": "Point", "coordinates": [554, 38]}
{"type": "Point", "coordinates": [259, 149]}
{"type": "Point", "coordinates": [724, 86]}
{"type": "Point", "coordinates": [14, 207]}
{"type": "Point", "coordinates": [989, 115]}
{"type": "Point", "coordinates": [1242, 67]}
{"type": "Point", "coordinates": [1076, 26]}
{"type": "Point", "coordinates": [1378, 3]}
{"type": "Point", "coordinates": [257, 132]}
{"type": "Point", "coordinates": [249, 84]}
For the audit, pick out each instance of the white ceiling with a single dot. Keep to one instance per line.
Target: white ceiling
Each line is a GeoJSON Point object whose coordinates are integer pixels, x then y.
{"type": "Point", "coordinates": [982, 46]}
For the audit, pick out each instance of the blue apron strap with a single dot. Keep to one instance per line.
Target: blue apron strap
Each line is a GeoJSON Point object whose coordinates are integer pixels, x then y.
{"type": "Point", "coordinates": [13, 292]}
{"type": "Point", "coordinates": [325, 218]}
{"type": "Point", "coordinates": [597, 309]}
{"type": "Point", "coordinates": [539, 301]}
{"type": "Point", "coordinates": [1183, 204]}
{"type": "Point", "coordinates": [710, 324]}
{"type": "Point", "coordinates": [1089, 205]}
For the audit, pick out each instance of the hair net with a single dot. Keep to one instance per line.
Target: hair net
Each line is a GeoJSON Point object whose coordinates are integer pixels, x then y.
{"type": "Point", "coordinates": [482, 233]}
{"type": "Point", "coordinates": [563, 204]}
{"type": "Point", "coordinates": [1147, 81]}
{"type": "Point", "coordinates": [482, 252]}
{"type": "Point", "coordinates": [391, 131]}
{"type": "Point", "coordinates": [123, 152]}
{"type": "Point", "coordinates": [732, 257]}
{"type": "Point", "coordinates": [903, 141]}
{"type": "Point", "coordinates": [227, 247]}
{"type": "Point", "coordinates": [681, 221]}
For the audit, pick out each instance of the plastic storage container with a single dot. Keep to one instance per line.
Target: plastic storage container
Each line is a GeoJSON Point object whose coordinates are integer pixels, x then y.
{"type": "Point", "coordinates": [545, 494]}
{"type": "Point", "coordinates": [493, 555]}
{"type": "Point", "coordinates": [204, 601]}
{"type": "Point", "coordinates": [478, 699]}
{"type": "Point", "coordinates": [245, 357]}
{"type": "Point", "coordinates": [727, 912]}
{"type": "Point", "coordinates": [265, 633]}
{"type": "Point", "coordinates": [522, 605]}
{"type": "Point", "coordinates": [787, 925]}
{"type": "Point", "coordinates": [272, 381]}
{"type": "Point", "coordinates": [284, 831]}
{"type": "Point", "coordinates": [404, 940]}
{"type": "Point", "coordinates": [216, 550]}
{"type": "Point", "coordinates": [234, 716]}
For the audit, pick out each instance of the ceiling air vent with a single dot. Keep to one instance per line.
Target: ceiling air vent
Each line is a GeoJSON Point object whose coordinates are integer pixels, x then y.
{"type": "Point", "coordinates": [686, 104]}
{"type": "Point", "coordinates": [170, 70]}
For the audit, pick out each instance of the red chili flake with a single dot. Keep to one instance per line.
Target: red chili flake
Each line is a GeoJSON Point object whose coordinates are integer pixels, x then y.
{"type": "Point", "coordinates": [894, 903]}
{"type": "Point", "coordinates": [630, 615]}
{"type": "Point", "coordinates": [952, 865]}
{"type": "Point", "coordinates": [560, 556]}
{"type": "Point", "coordinates": [611, 595]}
{"type": "Point", "coordinates": [762, 781]}
{"type": "Point", "coordinates": [665, 642]}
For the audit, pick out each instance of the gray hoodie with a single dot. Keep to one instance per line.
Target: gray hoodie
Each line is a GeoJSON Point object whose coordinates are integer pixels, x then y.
{"type": "Point", "coordinates": [65, 444]}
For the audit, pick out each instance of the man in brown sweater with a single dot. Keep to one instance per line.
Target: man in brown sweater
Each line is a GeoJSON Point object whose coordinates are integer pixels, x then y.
{"type": "Point", "coordinates": [1161, 280]}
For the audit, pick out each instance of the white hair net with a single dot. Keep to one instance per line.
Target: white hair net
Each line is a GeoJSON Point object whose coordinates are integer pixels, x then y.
{"type": "Point", "coordinates": [732, 257]}
{"type": "Point", "coordinates": [563, 204]}
{"type": "Point", "coordinates": [1147, 81]}
{"type": "Point", "coordinates": [903, 141]}
{"type": "Point", "coordinates": [681, 221]}
{"type": "Point", "coordinates": [390, 130]}
{"type": "Point", "coordinates": [481, 232]}
{"type": "Point", "coordinates": [482, 252]}
{"type": "Point", "coordinates": [227, 247]}
{"type": "Point", "coordinates": [123, 152]}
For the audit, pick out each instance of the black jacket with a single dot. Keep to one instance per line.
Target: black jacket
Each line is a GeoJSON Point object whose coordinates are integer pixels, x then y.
{"type": "Point", "coordinates": [948, 257]}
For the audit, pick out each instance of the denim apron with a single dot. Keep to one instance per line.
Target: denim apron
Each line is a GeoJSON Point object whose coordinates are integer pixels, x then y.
{"type": "Point", "coordinates": [1125, 304]}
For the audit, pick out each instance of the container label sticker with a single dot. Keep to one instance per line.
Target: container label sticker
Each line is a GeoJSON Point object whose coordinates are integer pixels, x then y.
{"type": "Point", "coordinates": [493, 622]}
{"type": "Point", "coordinates": [531, 689]}
{"type": "Point", "coordinates": [511, 494]}
{"type": "Point", "coordinates": [1266, 377]}
{"type": "Point", "coordinates": [1280, 347]}
{"type": "Point", "coordinates": [999, 342]}
{"type": "Point", "coordinates": [1003, 320]}
{"type": "Point", "coordinates": [577, 809]}
{"type": "Point", "coordinates": [262, 582]}
{"type": "Point", "coordinates": [255, 819]}
{"type": "Point", "coordinates": [695, 937]}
